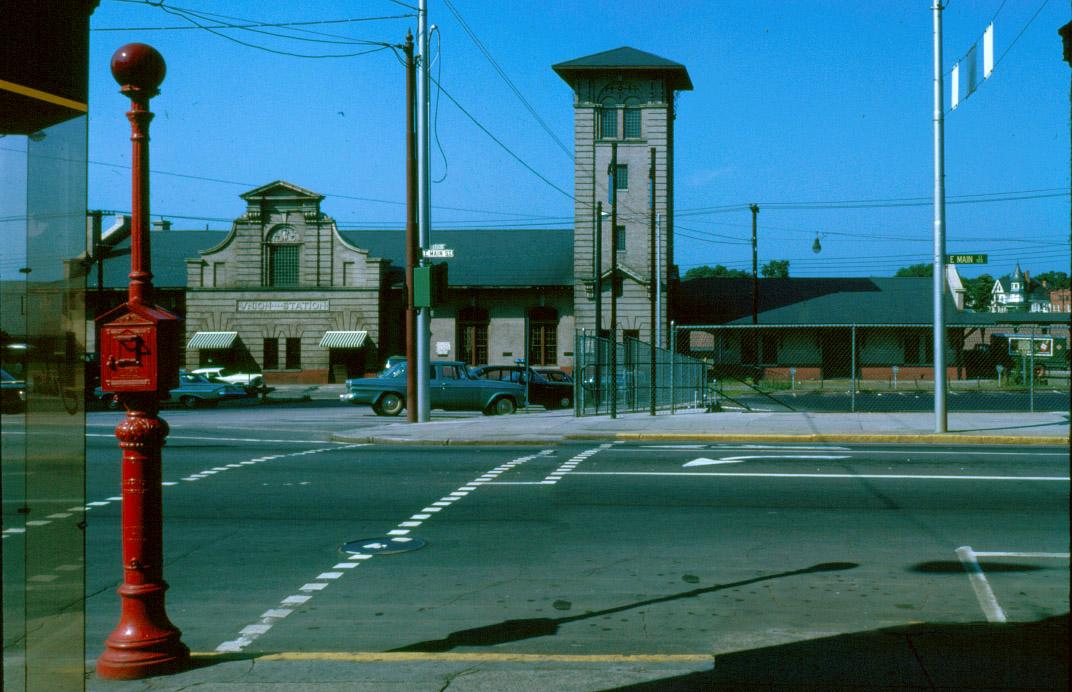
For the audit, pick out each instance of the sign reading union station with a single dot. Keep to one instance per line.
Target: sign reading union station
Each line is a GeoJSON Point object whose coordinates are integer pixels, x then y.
{"type": "Point", "coordinates": [284, 305]}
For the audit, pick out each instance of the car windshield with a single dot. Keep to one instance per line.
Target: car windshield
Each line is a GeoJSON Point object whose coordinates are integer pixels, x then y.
{"type": "Point", "coordinates": [555, 376]}
{"type": "Point", "coordinates": [6, 376]}
{"type": "Point", "coordinates": [397, 370]}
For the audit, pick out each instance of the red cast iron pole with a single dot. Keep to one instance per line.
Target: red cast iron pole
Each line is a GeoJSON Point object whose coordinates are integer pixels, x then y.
{"type": "Point", "coordinates": [144, 643]}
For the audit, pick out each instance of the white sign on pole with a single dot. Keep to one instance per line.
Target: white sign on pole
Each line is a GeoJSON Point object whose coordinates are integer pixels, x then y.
{"type": "Point", "coordinates": [438, 250]}
{"type": "Point", "coordinates": [988, 51]}
{"type": "Point", "coordinates": [955, 96]}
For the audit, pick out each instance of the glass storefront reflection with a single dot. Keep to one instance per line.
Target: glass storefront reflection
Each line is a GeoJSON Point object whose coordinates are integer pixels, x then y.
{"type": "Point", "coordinates": [42, 345]}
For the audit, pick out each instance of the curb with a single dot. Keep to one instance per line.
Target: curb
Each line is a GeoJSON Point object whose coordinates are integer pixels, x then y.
{"type": "Point", "coordinates": [931, 438]}
{"type": "Point", "coordinates": [902, 438]}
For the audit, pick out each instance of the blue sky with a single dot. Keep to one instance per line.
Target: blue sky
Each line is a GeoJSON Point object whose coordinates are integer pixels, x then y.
{"type": "Point", "coordinates": [794, 102]}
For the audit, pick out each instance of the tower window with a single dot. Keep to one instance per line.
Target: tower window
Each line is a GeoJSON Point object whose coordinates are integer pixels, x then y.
{"type": "Point", "coordinates": [632, 122]}
{"type": "Point", "coordinates": [608, 123]}
{"type": "Point", "coordinates": [619, 238]}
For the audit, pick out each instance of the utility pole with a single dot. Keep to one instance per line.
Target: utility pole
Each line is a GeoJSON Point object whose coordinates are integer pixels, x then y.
{"type": "Point", "coordinates": [424, 315]}
{"type": "Point", "coordinates": [940, 418]}
{"type": "Point", "coordinates": [598, 249]}
{"type": "Point", "coordinates": [652, 288]}
{"type": "Point", "coordinates": [755, 275]}
{"type": "Point", "coordinates": [412, 334]}
{"type": "Point", "coordinates": [614, 280]}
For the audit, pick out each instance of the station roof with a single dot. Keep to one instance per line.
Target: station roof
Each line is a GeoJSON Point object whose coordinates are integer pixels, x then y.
{"type": "Point", "coordinates": [625, 59]}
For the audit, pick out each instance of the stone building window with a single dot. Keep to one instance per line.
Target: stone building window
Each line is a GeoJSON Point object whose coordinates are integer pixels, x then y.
{"type": "Point", "coordinates": [271, 354]}
{"type": "Point", "coordinates": [543, 336]}
{"type": "Point", "coordinates": [284, 254]}
{"type": "Point", "coordinates": [293, 361]}
{"type": "Point", "coordinates": [473, 336]}
{"type": "Point", "coordinates": [631, 118]}
{"type": "Point", "coordinates": [608, 122]}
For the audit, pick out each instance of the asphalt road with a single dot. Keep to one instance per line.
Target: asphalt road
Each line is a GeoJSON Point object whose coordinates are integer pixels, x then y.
{"type": "Point", "coordinates": [590, 547]}
{"type": "Point", "coordinates": [585, 548]}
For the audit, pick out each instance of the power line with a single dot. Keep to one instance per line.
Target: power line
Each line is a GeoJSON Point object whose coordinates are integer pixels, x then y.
{"type": "Point", "coordinates": [498, 69]}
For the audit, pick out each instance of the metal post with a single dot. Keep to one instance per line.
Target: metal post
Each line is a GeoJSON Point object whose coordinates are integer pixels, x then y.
{"type": "Point", "coordinates": [598, 250]}
{"type": "Point", "coordinates": [659, 280]}
{"type": "Point", "coordinates": [412, 331]}
{"type": "Point", "coordinates": [424, 315]}
{"type": "Point", "coordinates": [614, 280]}
{"type": "Point", "coordinates": [673, 368]}
{"type": "Point", "coordinates": [940, 417]}
{"type": "Point", "coordinates": [755, 274]}
{"type": "Point", "coordinates": [144, 643]}
{"type": "Point", "coordinates": [1031, 377]}
{"type": "Point", "coordinates": [653, 292]}
{"type": "Point", "coordinates": [853, 337]}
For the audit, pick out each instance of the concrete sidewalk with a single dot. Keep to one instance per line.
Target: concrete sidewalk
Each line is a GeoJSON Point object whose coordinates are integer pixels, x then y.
{"type": "Point", "coordinates": [549, 427]}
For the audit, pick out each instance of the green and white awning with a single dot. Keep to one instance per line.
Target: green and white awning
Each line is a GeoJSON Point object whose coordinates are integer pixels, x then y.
{"type": "Point", "coordinates": [212, 340]}
{"type": "Point", "coordinates": [343, 339]}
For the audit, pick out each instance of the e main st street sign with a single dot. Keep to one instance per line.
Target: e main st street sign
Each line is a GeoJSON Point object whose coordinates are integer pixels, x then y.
{"type": "Point", "coordinates": [965, 259]}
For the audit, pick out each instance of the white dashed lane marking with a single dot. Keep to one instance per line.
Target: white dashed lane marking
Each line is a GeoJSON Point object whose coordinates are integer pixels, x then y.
{"type": "Point", "coordinates": [250, 633]}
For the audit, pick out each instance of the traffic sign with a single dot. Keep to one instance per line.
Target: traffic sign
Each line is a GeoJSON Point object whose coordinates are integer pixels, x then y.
{"type": "Point", "coordinates": [438, 250]}
{"type": "Point", "coordinates": [965, 259]}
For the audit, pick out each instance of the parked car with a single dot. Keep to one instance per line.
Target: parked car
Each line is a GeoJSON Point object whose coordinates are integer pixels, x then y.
{"type": "Point", "coordinates": [545, 387]}
{"type": "Point", "coordinates": [194, 390]}
{"type": "Point", "coordinates": [249, 380]}
{"type": "Point", "coordinates": [451, 387]}
{"type": "Point", "coordinates": [14, 392]}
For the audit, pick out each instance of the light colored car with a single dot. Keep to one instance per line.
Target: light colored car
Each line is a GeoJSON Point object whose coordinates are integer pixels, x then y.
{"type": "Point", "coordinates": [249, 380]}
{"type": "Point", "coordinates": [452, 387]}
{"type": "Point", "coordinates": [194, 391]}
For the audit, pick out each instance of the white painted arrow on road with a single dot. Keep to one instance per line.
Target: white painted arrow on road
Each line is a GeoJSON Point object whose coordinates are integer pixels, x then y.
{"type": "Point", "coordinates": [703, 461]}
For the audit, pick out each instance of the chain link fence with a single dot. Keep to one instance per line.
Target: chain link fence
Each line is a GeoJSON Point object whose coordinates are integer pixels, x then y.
{"type": "Point", "coordinates": [640, 378]}
{"type": "Point", "coordinates": [881, 367]}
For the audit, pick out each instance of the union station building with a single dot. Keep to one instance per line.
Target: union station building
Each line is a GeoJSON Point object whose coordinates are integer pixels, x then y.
{"type": "Point", "coordinates": [287, 293]}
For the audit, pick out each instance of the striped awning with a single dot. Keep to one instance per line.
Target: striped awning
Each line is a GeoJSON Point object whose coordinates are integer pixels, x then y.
{"type": "Point", "coordinates": [212, 340]}
{"type": "Point", "coordinates": [343, 339]}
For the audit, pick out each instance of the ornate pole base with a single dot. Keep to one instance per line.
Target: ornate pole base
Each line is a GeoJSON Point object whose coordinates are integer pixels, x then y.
{"type": "Point", "coordinates": [144, 643]}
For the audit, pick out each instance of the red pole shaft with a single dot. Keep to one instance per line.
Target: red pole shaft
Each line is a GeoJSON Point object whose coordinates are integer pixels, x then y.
{"type": "Point", "coordinates": [141, 275]}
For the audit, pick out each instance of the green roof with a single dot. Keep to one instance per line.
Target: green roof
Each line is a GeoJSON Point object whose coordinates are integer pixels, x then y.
{"type": "Point", "coordinates": [486, 257]}
{"type": "Point", "coordinates": [626, 59]}
{"type": "Point", "coordinates": [805, 301]}
{"type": "Point", "coordinates": [508, 258]}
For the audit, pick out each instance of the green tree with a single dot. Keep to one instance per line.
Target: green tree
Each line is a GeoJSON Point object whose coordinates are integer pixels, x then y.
{"type": "Point", "coordinates": [718, 271]}
{"type": "Point", "coordinates": [1054, 280]}
{"type": "Point", "coordinates": [977, 292]}
{"type": "Point", "coordinates": [775, 269]}
{"type": "Point", "coordinates": [916, 270]}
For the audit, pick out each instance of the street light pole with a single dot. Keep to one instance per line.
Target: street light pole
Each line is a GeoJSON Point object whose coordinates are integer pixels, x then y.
{"type": "Point", "coordinates": [940, 417]}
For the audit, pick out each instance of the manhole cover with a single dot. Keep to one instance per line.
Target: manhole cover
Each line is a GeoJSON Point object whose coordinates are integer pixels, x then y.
{"type": "Point", "coordinates": [383, 545]}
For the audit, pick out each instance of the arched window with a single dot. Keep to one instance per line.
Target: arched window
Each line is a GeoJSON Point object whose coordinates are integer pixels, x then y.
{"type": "Point", "coordinates": [284, 254]}
{"type": "Point", "coordinates": [473, 336]}
{"type": "Point", "coordinates": [543, 336]}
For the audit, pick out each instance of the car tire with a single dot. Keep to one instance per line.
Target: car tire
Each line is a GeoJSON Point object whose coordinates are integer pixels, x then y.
{"type": "Point", "coordinates": [565, 402]}
{"type": "Point", "coordinates": [390, 404]}
{"type": "Point", "coordinates": [189, 402]}
{"type": "Point", "coordinates": [504, 406]}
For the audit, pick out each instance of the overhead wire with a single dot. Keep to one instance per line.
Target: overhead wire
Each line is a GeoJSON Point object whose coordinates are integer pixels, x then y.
{"type": "Point", "coordinates": [506, 78]}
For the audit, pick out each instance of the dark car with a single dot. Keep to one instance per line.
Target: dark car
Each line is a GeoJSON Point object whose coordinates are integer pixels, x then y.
{"type": "Point", "coordinates": [547, 387]}
{"type": "Point", "coordinates": [451, 388]}
{"type": "Point", "coordinates": [194, 391]}
{"type": "Point", "coordinates": [14, 392]}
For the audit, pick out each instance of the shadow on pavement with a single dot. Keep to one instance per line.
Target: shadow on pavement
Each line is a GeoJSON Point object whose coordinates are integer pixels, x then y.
{"type": "Point", "coordinates": [518, 630]}
{"type": "Point", "coordinates": [974, 656]}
